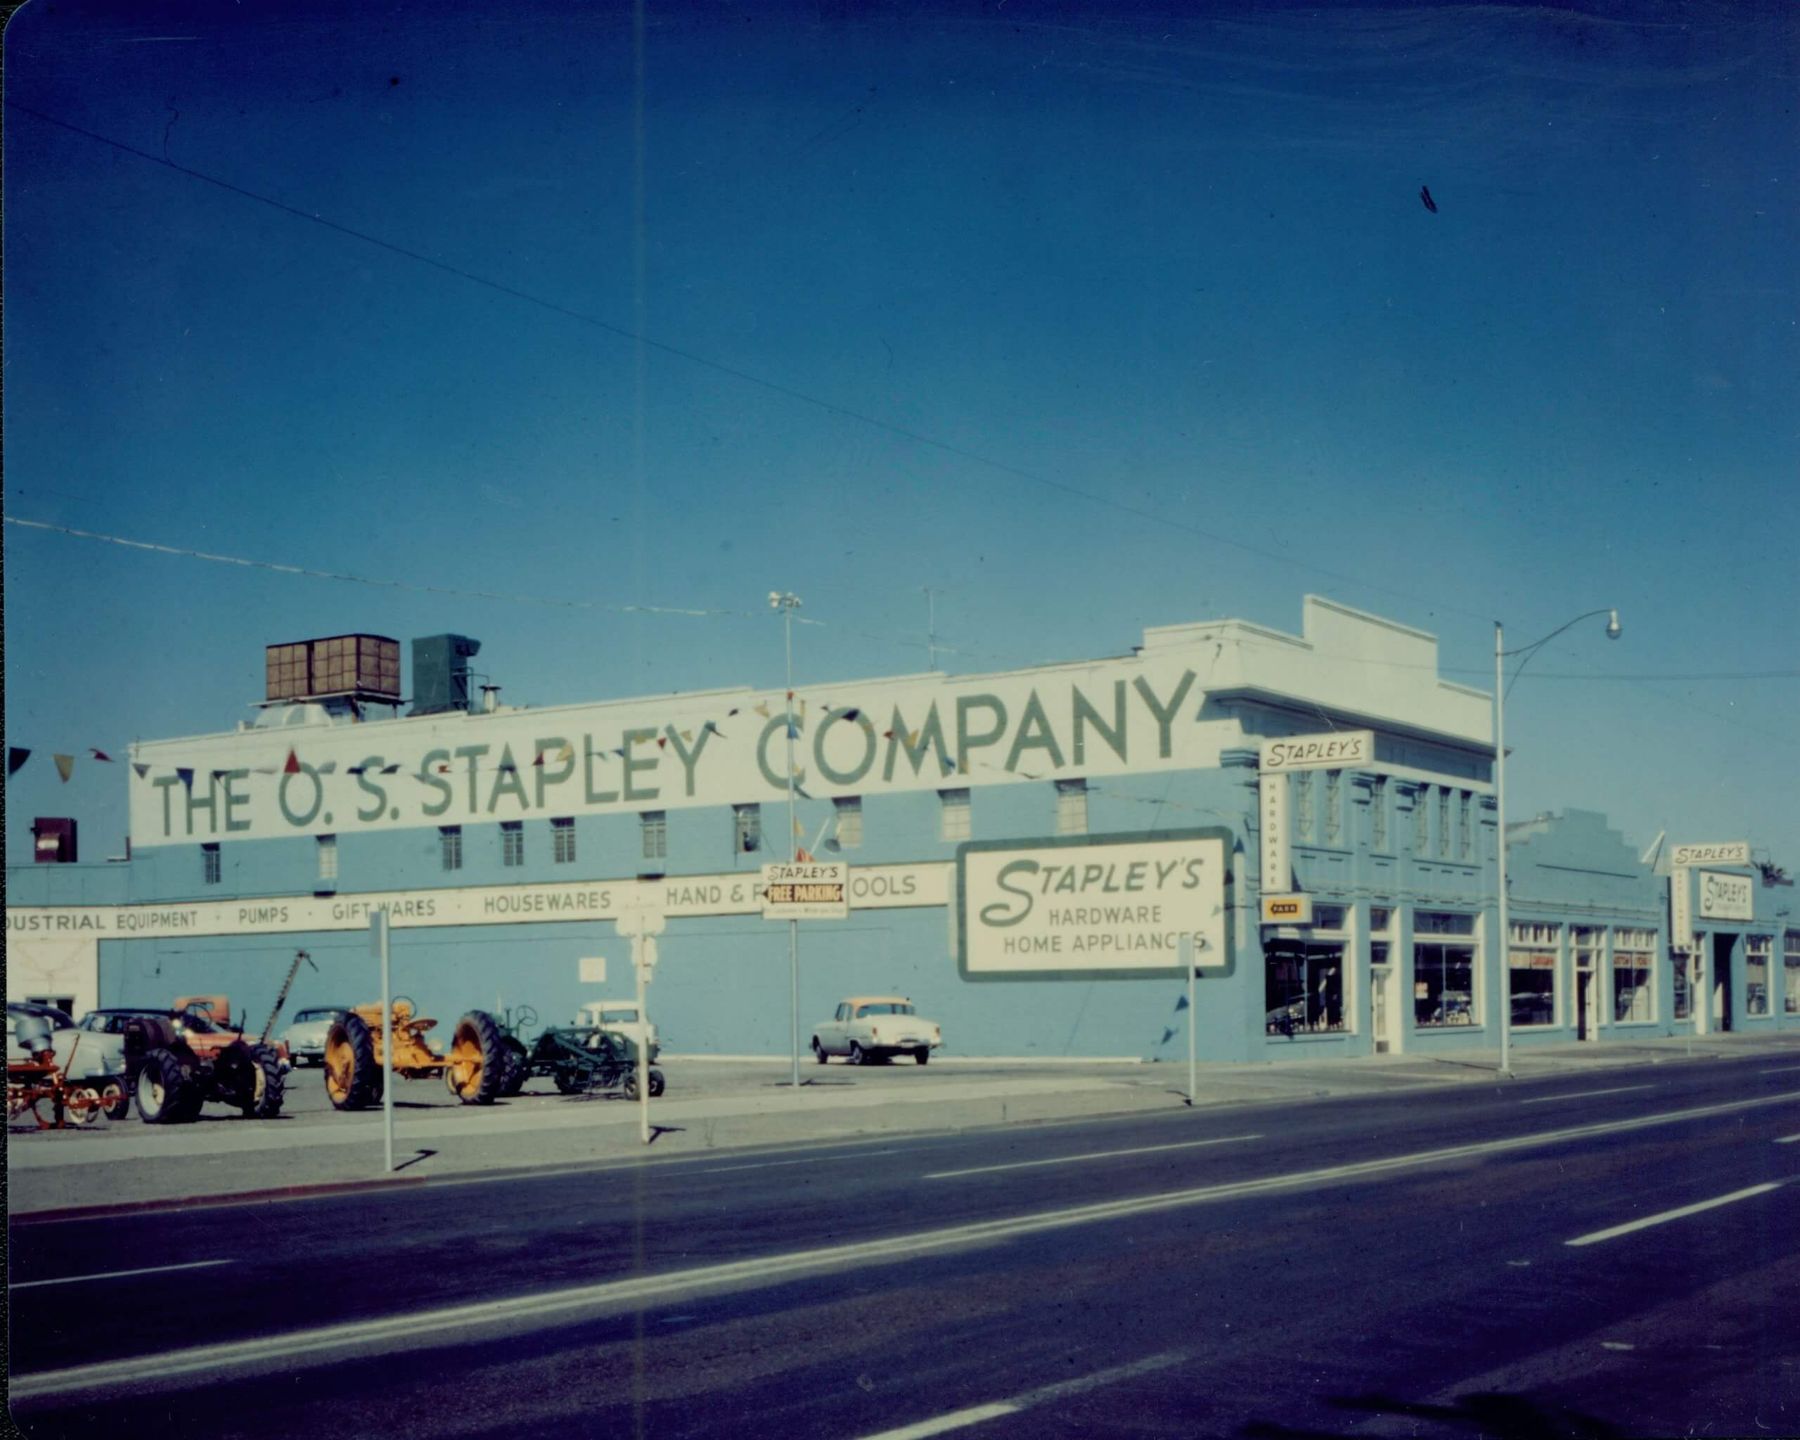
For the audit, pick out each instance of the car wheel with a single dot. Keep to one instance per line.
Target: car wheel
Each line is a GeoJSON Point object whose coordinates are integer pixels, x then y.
{"type": "Point", "coordinates": [922, 1056]}
{"type": "Point", "coordinates": [116, 1099]}
{"type": "Point", "coordinates": [818, 1050]}
{"type": "Point", "coordinates": [657, 1084]}
{"type": "Point", "coordinates": [858, 1056]}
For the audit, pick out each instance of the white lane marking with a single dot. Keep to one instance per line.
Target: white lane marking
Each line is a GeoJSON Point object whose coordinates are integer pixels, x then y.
{"type": "Point", "coordinates": [775, 1164]}
{"type": "Point", "coordinates": [117, 1274]}
{"type": "Point", "coordinates": [1585, 1094]}
{"type": "Point", "coordinates": [1780, 1070]}
{"type": "Point", "coordinates": [1788, 1140]}
{"type": "Point", "coordinates": [975, 1414]}
{"type": "Point", "coordinates": [1667, 1215]}
{"type": "Point", "coordinates": [1094, 1155]}
{"type": "Point", "coordinates": [424, 1327]}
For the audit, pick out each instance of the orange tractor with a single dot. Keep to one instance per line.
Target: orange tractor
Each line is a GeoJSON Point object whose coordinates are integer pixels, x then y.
{"type": "Point", "coordinates": [36, 1084]}
{"type": "Point", "coordinates": [475, 1068]}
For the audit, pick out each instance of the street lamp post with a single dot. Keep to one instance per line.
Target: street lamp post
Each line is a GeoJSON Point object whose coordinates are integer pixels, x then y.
{"type": "Point", "coordinates": [787, 604]}
{"type": "Point", "coordinates": [1501, 654]}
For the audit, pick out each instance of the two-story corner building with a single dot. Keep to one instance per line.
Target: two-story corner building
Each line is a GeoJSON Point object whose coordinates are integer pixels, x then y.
{"type": "Point", "coordinates": [1345, 786]}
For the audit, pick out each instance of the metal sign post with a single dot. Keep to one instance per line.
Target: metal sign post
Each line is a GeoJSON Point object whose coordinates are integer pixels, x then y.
{"type": "Point", "coordinates": [641, 926]}
{"type": "Point", "coordinates": [1185, 946]}
{"type": "Point", "coordinates": [378, 941]}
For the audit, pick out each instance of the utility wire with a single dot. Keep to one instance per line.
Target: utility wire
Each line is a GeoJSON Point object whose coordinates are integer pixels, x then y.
{"type": "Point", "coordinates": [747, 377]}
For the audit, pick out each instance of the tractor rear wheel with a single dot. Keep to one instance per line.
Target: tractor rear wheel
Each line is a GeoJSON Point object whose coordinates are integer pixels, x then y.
{"type": "Point", "coordinates": [569, 1083]}
{"type": "Point", "coordinates": [166, 1093]}
{"type": "Point", "coordinates": [352, 1077]}
{"type": "Point", "coordinates": [517, 1066]}
{"type": "Point", "coordinates": [268, 1086]}
{"type": "Point", "coordinates": [477, 1060]}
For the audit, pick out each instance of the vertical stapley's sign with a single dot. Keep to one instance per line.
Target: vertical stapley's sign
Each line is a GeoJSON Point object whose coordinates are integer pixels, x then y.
{"type": "Point", "coordinates": [1093, 907]}
{"type": "Point", "coordinates": [1681, 909]}
{"type": "Point", "coordinates": [1272, 802]}
{"type": "Point", "coordinates": [1726, 897]}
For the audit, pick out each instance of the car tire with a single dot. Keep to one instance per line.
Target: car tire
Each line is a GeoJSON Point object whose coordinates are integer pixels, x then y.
{"type": "Point", "coordinates": [352, 1078]}
{"type": "Point", "coordinates": [818, 1050]}
{"type": "Point", "coordinates": [657, 1083]}
{"type": "Point", "coordinates": [117, 1099]}
{"type": "Point", "coordinates": [922, 1056]}
{"type": "Point", "coordinates": [268, 1084]}
{"type": "Point", "coordinates": [858, 1055]}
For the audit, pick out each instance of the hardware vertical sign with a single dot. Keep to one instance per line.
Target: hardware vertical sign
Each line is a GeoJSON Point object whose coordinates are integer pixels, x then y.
{"type": "Point", "coordinates": [1681, 915]}
{"type": "Point", "coordinates": [1277, 868]}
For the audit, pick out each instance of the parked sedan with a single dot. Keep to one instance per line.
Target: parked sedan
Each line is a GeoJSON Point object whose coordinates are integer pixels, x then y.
{"type": "Point", "coordinates": [306, 1036]}
{"type": "Point", "coordinates": [871, 1028]}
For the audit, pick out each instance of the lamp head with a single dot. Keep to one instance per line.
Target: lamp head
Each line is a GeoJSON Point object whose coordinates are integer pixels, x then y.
{"type": "Point", "coordinates": [774, 599]}
{"type": "Point", "coordinates": [1612, 625]}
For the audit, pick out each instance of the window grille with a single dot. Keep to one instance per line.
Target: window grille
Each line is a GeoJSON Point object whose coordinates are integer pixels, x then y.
{"type": "Point", "coordinates": [954, 818]}
{"type": "Point", "coordinates": [562, 841]}
{"type": "Point", "coordinates": [1071, 807]}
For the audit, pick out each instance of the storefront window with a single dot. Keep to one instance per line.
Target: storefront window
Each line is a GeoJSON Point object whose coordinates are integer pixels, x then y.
{"type": "Point", "coordinates": [1443, 969]}
{"type": "Point", "coordinates": [1304, 987]}
{"type": "Point", "coordinates": [1684, 989]}
{"type": "Point", "coordinates": [1634, 998]}
{"type": "Point", "coordinates": [1531, 967]}
{"type": "Point", "coordinates": [1790, 954]}
{"type": "Point", "coordinates": [1759, 950]}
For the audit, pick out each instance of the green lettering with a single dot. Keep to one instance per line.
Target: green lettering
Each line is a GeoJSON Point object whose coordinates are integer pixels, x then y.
{"type": "Point", "coordinates": [861, 768]}
{"type": "Point", "coordinates": [1113, 734]}
{"type": "Point", "coordinates": [967, 739]}
{"type": "Point", "coordinates": [558, 748]}
{"type": "Point", "coordinates": [234, 801]}
{"type": "Point", "coordinates": [634, 766]}
{"type": "Point", "coordinates": [1164, 713]}
{"type": "Point", "coordinates": [1034, 734]}
{"type": "Point", "coordinates": [473, 753]}
{"type": "Point", "coordinates": [377, 793]}
{"type": "Point", "coordinates": [507, 778]}
{"type": "Point", "coordinates": [689, 758]}
{"type": "Point", "coordinates": [900, 742]}
{"type": "Point", "coordinates": [430, 777]}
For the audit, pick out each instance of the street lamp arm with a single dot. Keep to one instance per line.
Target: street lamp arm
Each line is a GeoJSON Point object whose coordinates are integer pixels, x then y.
{"type": "Point", "coordinates": [1527, 651]}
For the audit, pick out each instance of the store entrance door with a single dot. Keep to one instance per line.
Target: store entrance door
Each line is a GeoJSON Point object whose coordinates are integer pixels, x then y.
{"type": "Point", "coordinates": [1586, 1027]}
{"type": "Point", "coordinates": [1721, 981]}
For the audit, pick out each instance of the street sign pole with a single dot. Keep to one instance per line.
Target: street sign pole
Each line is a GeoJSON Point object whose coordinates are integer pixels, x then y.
{"type": "Point", "coordinates": [641, 926]}
{"type": "Point", "coordinates": [1185, 948]}
{"type": "Point", "coordinates": [378, 938]}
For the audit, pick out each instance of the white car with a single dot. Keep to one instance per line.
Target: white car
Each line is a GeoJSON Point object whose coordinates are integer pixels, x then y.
{"type": "Point", "coordinates": [619, 1017]}
{"type": "Point", "coordinates": [868, 1029]}
{"type": "Point", "coordinates": [306, 1036]}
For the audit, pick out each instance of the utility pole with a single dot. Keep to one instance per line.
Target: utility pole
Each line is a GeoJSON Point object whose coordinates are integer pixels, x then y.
{"type": "Point", "coordinates": [931, 627]}
{"type": "Point", "coordinates": [787, 603]}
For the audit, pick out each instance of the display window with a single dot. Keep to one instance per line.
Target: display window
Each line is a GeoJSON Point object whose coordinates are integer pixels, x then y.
{"type": "Point", "coordinates": [1634, 996]}
{"type": "Point", "coordinates": [1531, 972]}
{"type": "Point", "coordinates": [1759, 952]}
{"type": "Point", "coordinates": [1444, 970]}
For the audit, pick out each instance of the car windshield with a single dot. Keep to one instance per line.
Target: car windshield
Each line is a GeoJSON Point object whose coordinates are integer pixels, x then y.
{"type": "Point", "coordinates": [627, 1016]}
{"type": "Point", "coordinates": [888, 1007]}
{"type": "Point", "coordinates": [315, 1015]}
{"type": "Point", "coordinates": [199, 1024]}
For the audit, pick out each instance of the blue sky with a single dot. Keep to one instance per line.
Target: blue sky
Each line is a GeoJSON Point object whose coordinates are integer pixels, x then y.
{"type": "Point", "coordinates": [1086, 317]}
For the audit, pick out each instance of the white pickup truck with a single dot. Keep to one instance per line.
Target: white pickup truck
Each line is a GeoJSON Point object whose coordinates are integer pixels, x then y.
{"type": "Point", "coordinates": [872, 1028]}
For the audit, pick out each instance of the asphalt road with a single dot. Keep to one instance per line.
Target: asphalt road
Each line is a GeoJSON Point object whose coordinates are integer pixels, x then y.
{"type": "Point", "coordinates": [1396, 1265]}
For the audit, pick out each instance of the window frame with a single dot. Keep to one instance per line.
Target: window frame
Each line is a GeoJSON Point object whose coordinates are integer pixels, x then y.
{"type": "Point", "coordinates": [212, 863]}
{"type": "Point", "coordinates": [562, 840]}
{"type": "Point", "coordinates": [450, 847]}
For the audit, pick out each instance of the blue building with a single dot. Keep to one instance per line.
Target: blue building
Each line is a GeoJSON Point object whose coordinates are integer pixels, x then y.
{"type": "Point", "coordinates": [1314, 813]}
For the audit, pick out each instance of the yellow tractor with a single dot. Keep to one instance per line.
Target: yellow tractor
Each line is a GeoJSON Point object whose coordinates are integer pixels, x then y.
{"type": "Point", "coordinates": [475, 1069]}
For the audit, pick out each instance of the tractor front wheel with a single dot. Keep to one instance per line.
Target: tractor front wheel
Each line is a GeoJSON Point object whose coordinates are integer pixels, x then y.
{"type": "Point", "coordinates": [352, 1076]}
{"type": "Point", "coordinates": [517, 1066]}
{"type": "Point", "coordinates": [117, 1100]}
{"type": "Point", "coordinates": [477, 1061]}
{"type": "Point", "coordinates": [166, 1094]}
{"type": "Point", "coordinates": [268, 1086]}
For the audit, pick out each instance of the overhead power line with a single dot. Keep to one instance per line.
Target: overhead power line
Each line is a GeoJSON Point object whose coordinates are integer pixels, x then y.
{"type": "Point", "coordinates": [832, 407]}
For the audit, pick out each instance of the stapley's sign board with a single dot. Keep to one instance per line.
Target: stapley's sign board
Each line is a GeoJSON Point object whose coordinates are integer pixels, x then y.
{"type": "Point", "coordinates": [1287, 910]}
{"type": "Point", "coordinates": [1731, 852]}
{"type": "Point", "coordinates": [1093, 907]}
{"type": "Point", "coordinates": [1339, 750]}
{"type": "Point", "coordinates": [806, 890]}
{"type": "Point", "coordinates": [1726, 897]}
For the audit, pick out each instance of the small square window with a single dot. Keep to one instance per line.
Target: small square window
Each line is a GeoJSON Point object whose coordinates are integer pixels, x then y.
{"type": "Point", "coordinates": [849, 821]}
{"type": "Point", "coordinates": [512, 843]}
{"type": "Point", "coordinates": [328, 857]}
{"type": "Point", "coordinates": [209, 865]}
{"type": "Point", "coordinates": [450, 846]}
{"type": "Point", "coordinates": [1071, 807]}
{"type": "Point", "coordinates": [653, 825]}
{"type": "Point", "coordinates": [747, 826]}
{"type": "Point", "coordinates": [954, 821]}
{"type": "Point", "coordinates": [562, 841]}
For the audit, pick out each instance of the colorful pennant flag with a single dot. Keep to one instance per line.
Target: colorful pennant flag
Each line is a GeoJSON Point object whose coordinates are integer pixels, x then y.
{"type": "Point", "coordinates": [143, 770]}
{"type": "Point", "coordinates": [65, 766]}
{"type": "Point", "coordinates": [186, 775]}
{"type": "Point", "coordinates": [1167, 1036]}
{"type": "Point", "coordinates": [100, 755]}
{"type": "Point", "coordinates": [761, 708]}
{"type": "Point", "coordinates": [15, 760]}
{"type": "Point", "coordinates": [293, 764]}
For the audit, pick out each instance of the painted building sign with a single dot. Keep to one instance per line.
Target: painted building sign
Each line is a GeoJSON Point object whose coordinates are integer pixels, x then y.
{"type": "Point", "coordinates": [1733, 852]}
{"type": "Point", "coordinates": [685, 897]}
{"type": "Point", "coordinates": [1272, 807]}
{"type": "Point", "coordinates": [1726, 897]}
{"type": "Point", "coordinates": [720, 749]}
{"type": "Point", "coordinates": [1114, 907]}
{"type": "Point", "coordinates": [1681, 909]}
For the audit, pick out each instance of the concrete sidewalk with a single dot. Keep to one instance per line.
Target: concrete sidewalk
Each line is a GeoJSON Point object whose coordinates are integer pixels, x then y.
{"type": "Point", "coordinates": [712, 1105]}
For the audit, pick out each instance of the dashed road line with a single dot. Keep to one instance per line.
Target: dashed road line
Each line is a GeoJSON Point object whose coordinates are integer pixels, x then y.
{"type": "Point", "coordinates": [117, 1274]}
{"type": "Point", "coordinates": [1585, 1094]}
{"type": "Point", "coordinates": [1667, 1215]}
{"type": "Point", "coordinates": [1092, 1155]}
{"type": "Point", "coordinates": [976, 1414]}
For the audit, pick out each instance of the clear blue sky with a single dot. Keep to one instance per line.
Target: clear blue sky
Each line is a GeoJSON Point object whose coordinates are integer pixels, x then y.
{"type": "Point", "coordinates": [1087, 317]}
